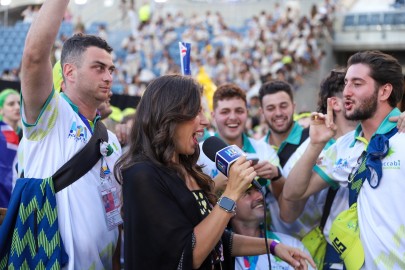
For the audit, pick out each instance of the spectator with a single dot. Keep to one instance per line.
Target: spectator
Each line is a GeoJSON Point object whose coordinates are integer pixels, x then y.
{"type": "Point", "coordinates": [9, 139]}
{"type": "Point", "coordinates": [248, 221]}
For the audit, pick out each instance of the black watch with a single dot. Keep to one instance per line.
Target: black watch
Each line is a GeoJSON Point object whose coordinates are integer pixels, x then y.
{"type": "Point", "coordinates": [227, 204]}
{"type": "Point", "coordinates": [278, 176]}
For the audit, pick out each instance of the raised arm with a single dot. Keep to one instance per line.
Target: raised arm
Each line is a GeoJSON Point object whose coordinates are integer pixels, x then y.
{"type": "Point", "coordinates": [36, 67]}
{"type": "Point", "coordinates": [302, 181]}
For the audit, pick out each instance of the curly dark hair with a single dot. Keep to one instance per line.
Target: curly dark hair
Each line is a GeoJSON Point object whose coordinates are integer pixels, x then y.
{"type": "Point", "coordinates": [227, 91]}
{"type": "Point", "coordinates": [331, 86]}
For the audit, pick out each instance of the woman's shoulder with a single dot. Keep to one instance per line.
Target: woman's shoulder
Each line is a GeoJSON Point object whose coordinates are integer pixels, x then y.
{"type": "Point", "coordinates": [142, 167]}
{"type": "Point", "coordinates": [146, 169]}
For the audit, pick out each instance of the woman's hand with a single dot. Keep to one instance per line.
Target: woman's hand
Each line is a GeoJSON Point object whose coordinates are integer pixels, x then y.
{"type": "Point", "coordinates": [294, 256]}
{"type": "Point", "coordinates": [240, 176]}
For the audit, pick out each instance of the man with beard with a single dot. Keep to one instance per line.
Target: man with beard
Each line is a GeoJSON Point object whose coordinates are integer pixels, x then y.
{"type": "Point", "coordinates": [285, 136]}
{"type": "Point", "coordinates": [331, 91]}
{"type": "Point", "coordinates": [366, 160]}
{"type": "Point", "coordinates": [277, 106]}
{"type": "Point", "coordinates": [249, 221]}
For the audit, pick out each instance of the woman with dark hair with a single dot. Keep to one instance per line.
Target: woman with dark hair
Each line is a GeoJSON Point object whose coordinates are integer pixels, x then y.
{"type": "Point", "coordinates": [172, 219]}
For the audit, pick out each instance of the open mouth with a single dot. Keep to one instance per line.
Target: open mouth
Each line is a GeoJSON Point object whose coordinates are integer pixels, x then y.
{"type": "Point", "coordinates": [197, 135]}
{"type": "Point", "coordinates": [233, 126]}
{"type": "Point", "coordinates": [348, 104]}
{"type": "Point", "coordinates": [258, 204]}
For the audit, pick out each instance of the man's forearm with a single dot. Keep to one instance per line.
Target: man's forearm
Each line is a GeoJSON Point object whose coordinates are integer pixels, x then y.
{"type": "Point", "coordinates": [44, 29]}
{"type": "Point", "coordinates": [299, 178]}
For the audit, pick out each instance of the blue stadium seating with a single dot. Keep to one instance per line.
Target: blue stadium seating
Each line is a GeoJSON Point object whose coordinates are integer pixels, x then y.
{"type": "Point", "coordinates": [378, 20]}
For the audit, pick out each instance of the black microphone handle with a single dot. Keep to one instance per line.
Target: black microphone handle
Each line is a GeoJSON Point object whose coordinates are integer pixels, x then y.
{"type": "Point", "coordinates": [256, 184]}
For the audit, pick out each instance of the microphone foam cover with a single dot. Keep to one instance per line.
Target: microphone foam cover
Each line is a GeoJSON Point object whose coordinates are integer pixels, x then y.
{"type": "Point", "coordinates": [212, 145]}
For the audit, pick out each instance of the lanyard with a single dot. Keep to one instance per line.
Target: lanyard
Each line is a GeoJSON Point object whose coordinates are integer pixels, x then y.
{"type": "Point", "coordinates": [86, 122]}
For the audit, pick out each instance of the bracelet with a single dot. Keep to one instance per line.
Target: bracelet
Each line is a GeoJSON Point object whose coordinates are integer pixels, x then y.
{"type": "Point", "coordinates": [278, 176]}
{"type": "Point", "coordinates": [273, 247]}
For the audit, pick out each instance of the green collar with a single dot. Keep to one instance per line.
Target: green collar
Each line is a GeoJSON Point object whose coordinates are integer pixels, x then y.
{"type": "Point", "coordinates": [385, 127]}
{"type": "Point", "coordinates": [247, 146]}
{"type": "Point", "coordinates": [76, 109]}
{"type": "Point", "coordinates": [294, 137]}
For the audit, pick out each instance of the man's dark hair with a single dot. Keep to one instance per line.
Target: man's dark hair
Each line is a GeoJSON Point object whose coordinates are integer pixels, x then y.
{"type": "Point", "coordinates": [331, 86]}
{"type": "Point", "coordinates": [273, 87]}
{"type": "Point", "coordinates": [74, 47]}
{"type": "Point", "coordinates": [383, 69]}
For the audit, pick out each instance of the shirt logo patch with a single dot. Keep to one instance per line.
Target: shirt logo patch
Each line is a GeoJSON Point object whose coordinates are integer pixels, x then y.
{"type": "Point", "coordinates": [342, 163]}
{"type": "Point", "coordinates": [78, 132]}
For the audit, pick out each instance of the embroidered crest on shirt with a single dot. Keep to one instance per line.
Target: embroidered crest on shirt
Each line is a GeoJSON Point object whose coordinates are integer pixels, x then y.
{"type": "Point", "coordinates": [78, 132]}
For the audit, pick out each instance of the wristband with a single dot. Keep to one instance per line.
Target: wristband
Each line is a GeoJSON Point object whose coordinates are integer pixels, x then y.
{"type": "Point", "coordinates": [273, 247]}
{"type": "Point", "coordinates": [278, 176]}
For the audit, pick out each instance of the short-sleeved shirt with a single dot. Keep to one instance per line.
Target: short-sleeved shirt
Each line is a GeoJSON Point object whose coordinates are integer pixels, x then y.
{"type": "Point", "coordinates": [380, 210]}
{"type": "Point", "coordinates": [312, 213]}
{"type": "Point", "coordinates": [294, 139]}
{"type": "Point", "coordinates": [57, 135]}
{"type": "Point", "coordinates": [316, 202]}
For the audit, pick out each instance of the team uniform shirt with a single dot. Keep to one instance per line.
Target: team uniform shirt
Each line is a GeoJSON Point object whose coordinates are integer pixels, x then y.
{"type": "Point", "coordinates": [312, 213]}
{"type": "Point", "coordinates": [313, 210]}
{"type": "Point", "coordinates": [8, 151]}
{"type": "Point", "coordinates": [261, 262]}
{"type": "Point", "coordinates": [380, 210]}
{"type": "Point", "coordinates": [294, 138]}
{"type": "Point", "coordinates": [57, 135]}
{"type": "Point", "coordinates": [263, 151]}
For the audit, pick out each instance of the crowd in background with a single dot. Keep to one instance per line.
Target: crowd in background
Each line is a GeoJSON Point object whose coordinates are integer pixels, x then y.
{"type": "Point", "coordinates": [279, 43]}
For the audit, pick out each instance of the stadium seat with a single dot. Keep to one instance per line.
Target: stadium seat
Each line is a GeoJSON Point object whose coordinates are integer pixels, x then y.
{"type": "Point", "coordinates": [349, 22]}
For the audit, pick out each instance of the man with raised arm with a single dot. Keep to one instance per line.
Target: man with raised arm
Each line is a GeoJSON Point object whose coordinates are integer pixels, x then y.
{"type": "Point", "coordinates": [368, 160]}
{"type": "Point", "coordinates": [56, 126]}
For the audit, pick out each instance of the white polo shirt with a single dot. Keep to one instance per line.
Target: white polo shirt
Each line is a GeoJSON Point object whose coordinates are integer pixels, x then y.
{"type": "Point", "coordinates": [380, 210]}
{"type": "Point", "coordinates": [58, 134]}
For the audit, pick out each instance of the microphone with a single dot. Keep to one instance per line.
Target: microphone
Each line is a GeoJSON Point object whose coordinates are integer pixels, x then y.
{"type": "Point", "coordinates": [223, 155]}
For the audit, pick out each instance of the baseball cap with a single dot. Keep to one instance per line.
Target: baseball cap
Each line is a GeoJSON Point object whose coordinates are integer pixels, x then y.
{"type": "Point", "coordinates": [345, 237]}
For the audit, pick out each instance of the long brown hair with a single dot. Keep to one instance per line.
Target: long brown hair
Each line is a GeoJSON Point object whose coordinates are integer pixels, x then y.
{"type": "Point", "coordinates": [167, 101]}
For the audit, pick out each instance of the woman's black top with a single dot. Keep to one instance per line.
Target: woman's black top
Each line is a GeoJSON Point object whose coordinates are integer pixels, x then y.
{"type": "Point", "coordinates": [159, 219]}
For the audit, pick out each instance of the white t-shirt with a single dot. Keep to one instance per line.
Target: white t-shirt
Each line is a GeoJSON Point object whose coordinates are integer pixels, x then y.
{"type": "Point", "coordinates": [315, 203]}
{"type": "Point", "coordinates": [312, 212]}
{"type": "Point", "coordinates": [380, 210]}
{"type": "Point", "coordinates": [58, 134]}
{"type": "Point", "coordinates": [262, 261]}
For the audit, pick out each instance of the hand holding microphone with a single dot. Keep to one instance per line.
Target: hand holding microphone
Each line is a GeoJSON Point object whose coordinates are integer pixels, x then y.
{"type": "Point", "coordinates": [231, 161]}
